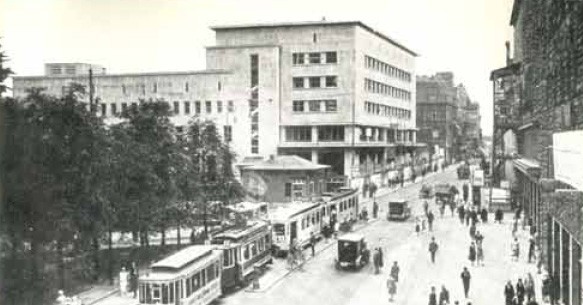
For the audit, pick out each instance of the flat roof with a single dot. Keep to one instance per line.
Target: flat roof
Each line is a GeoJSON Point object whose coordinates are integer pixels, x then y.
{"type": "Point", "coordinates": [285, 163]}
{"type": "Point", "coordinates": [237, 233]}
{"type": "Point", "coordinates": [287, 210]}
{"type": "Point", "coordinates": [314, 23]}
{"type": "Point", "coordinates": [184, 257]}
{"type": "Point", "coordinates": [162, 73]}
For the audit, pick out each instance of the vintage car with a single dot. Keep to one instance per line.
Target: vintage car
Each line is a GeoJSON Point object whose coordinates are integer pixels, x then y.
{"type": "Point", "coordinates": [352, 252]}
{"type": "Point", "coordinates": [426, 191]}
{"type": "Point", "coordinates": [444, 194]}
{"type": "Point", "coordinates": [398, 209]}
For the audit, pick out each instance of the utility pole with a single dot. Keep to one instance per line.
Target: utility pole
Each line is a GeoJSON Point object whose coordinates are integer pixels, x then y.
{"type": "Point", "coordinates": [91, 93]}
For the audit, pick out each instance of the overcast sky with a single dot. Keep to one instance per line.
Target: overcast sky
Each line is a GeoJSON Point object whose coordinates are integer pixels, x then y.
{"type": "Point", "coordinates": [463, 36]}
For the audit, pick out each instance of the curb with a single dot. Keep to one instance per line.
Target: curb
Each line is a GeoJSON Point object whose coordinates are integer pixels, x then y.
{"type": "Point", "coordinates": [103, 297]}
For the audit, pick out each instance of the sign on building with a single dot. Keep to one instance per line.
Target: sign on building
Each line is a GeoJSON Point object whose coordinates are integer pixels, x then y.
{"type": "Point", "coordinates": [478, 178]}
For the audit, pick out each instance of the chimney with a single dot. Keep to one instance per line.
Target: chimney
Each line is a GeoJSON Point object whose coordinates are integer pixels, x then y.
{"type": "Point", "coordinates": [508, 60]}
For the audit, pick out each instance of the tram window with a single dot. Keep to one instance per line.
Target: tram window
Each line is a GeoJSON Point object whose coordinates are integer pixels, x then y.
{"type": "Point", "coordinates": [227, 257]}
{"type": "Point", "coordinates": [210, 271]}
{"type": "Point", "coordinates": [279, 228]}
{"type": "Point", "coordinates": [267, 240]}
{"type": "Point", "coordinates": [164, 294]}
{"type": "Point", "coordinates": [217, 271]}
{"type": "Point", "coordinates": [148, 295]}
{"type": "Point", "coordinates": [202, 278]}
{"type": "Point", "coordinates": [254, 249]}
{"type": "Point", "coordinates": [196, 281]}
{"type": "Point", "coordinates": [171, 293]}
{"type": "Point", "coordinates": [188, 287]}
{"type": "Point", "coordinates": [313, 219]}
{"type": "Point", "coordinates": [181, 288]}
{"type": "Point", "coordinates": [246, 252]}
{"type": "Point", "coordinates": [156, 291]}
{"type": "Point", "coordinates": [142, 293]}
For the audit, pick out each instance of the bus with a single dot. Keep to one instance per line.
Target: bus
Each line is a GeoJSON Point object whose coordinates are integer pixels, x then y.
{"type": "Point", "coordinates": [191, 276]}
{"type": "Point", "coordinates": [244, 247]}
{"type": "Point", "coordinates": [294, 221]}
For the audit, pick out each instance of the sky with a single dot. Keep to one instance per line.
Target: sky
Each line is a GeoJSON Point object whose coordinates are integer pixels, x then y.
{"type": "Point", "coordinates": [463, 36]}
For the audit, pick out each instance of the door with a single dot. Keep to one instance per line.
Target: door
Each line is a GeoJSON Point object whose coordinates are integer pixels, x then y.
{"type": "Point", "coordinates": [293, 231]}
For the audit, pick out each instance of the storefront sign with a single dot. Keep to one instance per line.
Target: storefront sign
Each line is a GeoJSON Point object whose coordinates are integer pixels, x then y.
{"type": "Point", "coordinates": [478, 178]}
{"type": "Point", "coordinates": [567, 156]}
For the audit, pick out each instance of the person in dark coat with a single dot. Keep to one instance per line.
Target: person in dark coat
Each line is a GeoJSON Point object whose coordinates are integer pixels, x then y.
{"type": "Point", "coordinates": [508, 293]}
{"type": "Point", "coordinates": [531, 247]}
{"type": "Point", "coordinates": [433, 249]}
{"type": "Point", "coordinates": [432, 297]}
{"type": "Point", "coordinates": [499, 215]}
{"type": "Point", "coordinates": [375, 210]}
{"type": "Point", "coordinates": [473, 231]}
{"type": "Point", "coordinates": [376, 259]}
{"type": "Point", "coordinates": [461, 212]}
{"type": "Point", "coordinates": [443, 296]}
{"type": "Point", "coordinates": [430, 218]}
{"type": "Point", "coordinates": [472, 254]}
{"type": "Point", "coordinates": [520, 291]}
{"type": "Point", "coordinates": [484, 215]}
{"type": "Point", "coordinates": [395, 271]}
{"type": "Point", "coordinates": [313, 243]}
{"type": "Point", "coordinates": [465, 192]}
{"type": "Point", "coordinates": [466, 277]}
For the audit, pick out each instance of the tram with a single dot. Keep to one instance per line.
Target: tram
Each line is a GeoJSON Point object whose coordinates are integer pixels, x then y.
{"type": "Point", "coordinates": [190, 276]}
{"type": "Point", "coordinates": [341, 205]}
{"type": "Point", "coordinates": [294, 221]}
{"type": "Point", "coordinates": [244, 247]}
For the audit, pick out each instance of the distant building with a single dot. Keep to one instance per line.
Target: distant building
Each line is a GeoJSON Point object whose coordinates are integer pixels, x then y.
{"type": "Point", "coordinates": [336, 93]}
{"type": "Point", "coordinates": [284, 179]}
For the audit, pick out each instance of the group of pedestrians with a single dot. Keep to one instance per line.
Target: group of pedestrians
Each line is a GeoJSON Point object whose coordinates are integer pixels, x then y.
{"type": "Point", "coordinates": [522, 293]}
{"type": "Point", "coordinates": [392, 281]}
{"type": "Point", "coordinates": [444, 297]}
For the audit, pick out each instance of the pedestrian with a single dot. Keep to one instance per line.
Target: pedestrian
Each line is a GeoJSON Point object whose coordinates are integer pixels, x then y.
{"type": "Point", "coordinates": [461, 213]}
{"type": "Point", "coordinates": [514, 227]}
{"type": "Point", "coordinates": [430, 218]}
{"type": "Point", "coordinates": [452, 208]}
{"type": "Point", "coordinates": [395, 271]}
{"type": "Point", "coordinates": [123, 281]}
{"type": "Point", "coordinates": [473, 231]}
{"type": "Point", "coordinates": [498, 216]}
{"type": "Point", "coordinates": [433, 249]}
{"type": "Point", "coordinates": [472, 254]}
{"type": "Point", "coordinates": [442, 209]}
{"type": "Point", "coordinates": [382, 262]}
{"type": "Point", "coordinates": [423, 224]}
{"type": "Point", "coordinates": [466, 277]}
{"type": "Point", "coordinates": [443, 296]}
{"type": "Point", "coordinates": [425, 207]}
{"type": "Point", "coordinates": [417, 226]}
{"type": "Point", "coordinates": [508, 293]}
{"type": "Point", "coordinates": [520, 291]}
{"type": "Point", "coordinates": [391, 287]}
{"type": "Point", "coordinates": [546, 289]}
{"type": "Point", "coordinates": [336, 228]}
{"type": "Point", "coordinates": [531, 248]}
{"type": "Point", "coordinates": [313, 243]}
{"type": "Point", "coordinates": [480, 254]}
{"type": "Point", "coordinates": [465, 191]}
{"type": "Point", "coordinates": [432, 297]}
{"type": "Point", "coordinates": [529, 286]}
{"type": "Point", "coordinates": [479, 237]}
{"type": "Point", "coordinates": [484, 215]}
{"type": "Point", "coordinates": [376, 259]}
{"type": "Point", "coordinates": [515, 250]}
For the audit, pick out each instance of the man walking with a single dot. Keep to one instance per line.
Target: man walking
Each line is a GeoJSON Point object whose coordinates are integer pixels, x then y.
{"type": "Point", "coordinates": [443, 296]}
{"type": "Point", "coordinates": [395, 271]}
{"type": "Point", "coordinates": [531, 249]}
{"type": "Point", "coordinates": [376, 259]}
{"type": "Point", "coordinates": [391, 287]}
{"type": "Point", "coordinates": [520, 291]}
{"type": "Point", "coordinates": [430, 218]}
{"type": "Point", "coordinates": [466, 277]}
{"type": "Point", "coordinates": [432, 297]}
{"type": "Point", "coordinates": [433, 249]}
{"type": "Point", "coordinates": [515, 250]}
{"type": "Point", "coordinates": [508, 293]}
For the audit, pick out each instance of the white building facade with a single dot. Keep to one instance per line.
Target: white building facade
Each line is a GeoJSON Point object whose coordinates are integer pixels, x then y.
{"type": "Point", "coordinates": [336, 93]}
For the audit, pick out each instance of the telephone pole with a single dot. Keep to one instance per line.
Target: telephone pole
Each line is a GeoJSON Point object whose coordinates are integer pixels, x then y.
{"type": "Point", "coordinates": [91, 106]}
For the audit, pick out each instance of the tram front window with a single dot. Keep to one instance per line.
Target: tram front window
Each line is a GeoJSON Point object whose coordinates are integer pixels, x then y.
{"type": "Point", "coordinates": [279, 229]}
{"type": "Point", "coordinates": [164, 294]}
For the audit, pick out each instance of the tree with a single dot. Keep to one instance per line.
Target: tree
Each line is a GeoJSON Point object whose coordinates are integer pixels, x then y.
{"type": "Point", "coordinates": [5, 72]}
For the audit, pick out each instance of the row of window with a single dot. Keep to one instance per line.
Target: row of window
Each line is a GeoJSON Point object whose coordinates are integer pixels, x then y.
{"type": "Point", "coordinates": [347, 204]}
{"type": "Point", "coordinates": [375, 64]}
{"type": "Point", "coordinates": [177, 107]}
{"type": "Point", "coordinates": [368, 134]}
{"type": "Point", "coordinates": [330, 81]}
{"type": "Point", "coordinates": [304, 133]}
{"type": "Point", "coordinates": [141, 88]}
{"type": "Point", "coordinates": [314, 58]}
{"type": "Point", "coordinates": [256, 247]}
{"type": "Point", "coordinates": [384, 110]}
{"type": "Point", "coordinates": [167, 293]}
{"type": "Point", "coordinates": [315, 106]}
{"type": "Point", "coordinates": [384, 89]}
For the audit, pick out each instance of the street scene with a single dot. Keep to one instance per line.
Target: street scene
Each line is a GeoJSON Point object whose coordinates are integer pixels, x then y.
{"type": "Point", "coordinates": [205, 152]}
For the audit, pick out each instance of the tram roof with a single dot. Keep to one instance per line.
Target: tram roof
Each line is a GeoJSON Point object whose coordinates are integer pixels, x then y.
{"type": "Point", "coordinates": [246, 206]}
{"type": "Point", "coordinates": [352, 237]}
{"type": "Point", "coordinates": [290, 209]}
{"type": "Point", "coordinates": [241, 232]}
{"type": "Point", "coordinates": [184, 257]}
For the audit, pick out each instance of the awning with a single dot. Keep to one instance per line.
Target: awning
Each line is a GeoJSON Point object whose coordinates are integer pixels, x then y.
{"type": "Point", "coordinates": [528, 166]}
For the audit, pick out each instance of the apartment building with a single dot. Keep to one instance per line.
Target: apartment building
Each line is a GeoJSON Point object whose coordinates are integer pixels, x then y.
{"type": "Point", "coordinates": [336, 93]}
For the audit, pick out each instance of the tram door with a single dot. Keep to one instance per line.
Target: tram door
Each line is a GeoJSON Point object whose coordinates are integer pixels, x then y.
{"type": "Point", "coordinates": [293, 231]}
{"type": "Point", "coordinates": [177, 292]}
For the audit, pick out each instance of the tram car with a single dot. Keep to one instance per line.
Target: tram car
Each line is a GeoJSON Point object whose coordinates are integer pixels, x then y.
{"type": "Point", "coordinates": [341, 205]}
{"type": "Point", "coordinates": [295, 221]}
{"type": "Point", "coordinates": [190, 276]}
{"type": "Point", "coordinates": [244, 247]}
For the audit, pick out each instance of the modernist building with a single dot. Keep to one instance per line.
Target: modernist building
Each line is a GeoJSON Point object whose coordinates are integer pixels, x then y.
{"type": "Point", "coordinates": [336, 93]}
{"type": "Point", "coordinates": [538, 99]}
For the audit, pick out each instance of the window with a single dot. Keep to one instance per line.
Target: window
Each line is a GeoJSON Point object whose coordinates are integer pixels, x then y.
{"type": "Point", "coordinates": [230, 106]}
{"type": "Point", "coordinates": [314, 82]}
{"type": "Point", "coordinates": [314, 106]}
{"type": "Point", "coordinates": [56, 71]}
{"type": "Point", "coordinates": [219, 86]}
{"type": "Point", "coordinates": [155, 88]}
{"type": "Point", "coordinates": [70, 70]}
{"type": "Point", "coordinates": [113, 108]}
{"type": "Point", "coordinates": [210, 272]}
{"type": "Point", "coordinates": [219, 106]}
{"type": "Point", "coordinates": [123, 89]}
{"type": "Point", "coordinates": [124, 107]}
{"type": "Point", "coordinates": [208, 106]}
{"type": "Point", "coordinates": [176, 107]}
{"type": "Point", "coordinates": [331, 133]}
{"type": "Point", "coordinates": [103, 109]}
{"type": "Point", "coordinates": [331, 106]}
{"type": "Point", "coordinates": [298, 58]}
{"type": "Point", "coordinates": [298, 106]}
{"type": "Point", "coordinates": [254, 146]}
{"type": "Point", "coordinates": [315, 38]}
{"type": "Point", "coordinates": [314, 58]}
{"type": "Point", "coordinates": [287, 189]}
{"type": "Point", "coordinates": [197, 107]}
{"type": "Point", "coordinates": [228, 133]}
{"type": "Point", "coordinates": [331, 57]}
{"type": "Point", "coordinates": [299, 134]}
{"type": "Point", "coordinates": [164, 294]}
{"type": "Point", "coordinates": [186, 87]}
{"type": "Point", "coordinates": [331, 82]}
{"type": "Point", "coordinates": [186, 107]}
{"type": "Point", "coordinates": [298, 82]}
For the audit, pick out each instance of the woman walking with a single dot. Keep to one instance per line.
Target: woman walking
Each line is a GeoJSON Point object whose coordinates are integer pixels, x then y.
{"type": "Point", "coordinates": [480, 254]}
{"type": "Point", "coordinates": [472, 254]}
